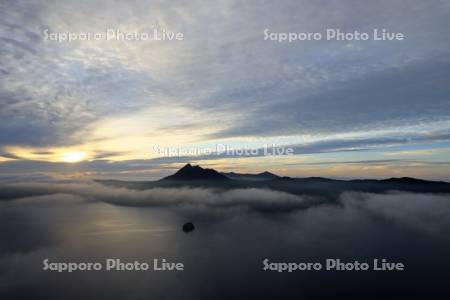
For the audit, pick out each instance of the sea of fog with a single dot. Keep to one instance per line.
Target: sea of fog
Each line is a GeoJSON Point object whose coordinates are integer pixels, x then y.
{"type": "Point", "coordinates": [223, 257]}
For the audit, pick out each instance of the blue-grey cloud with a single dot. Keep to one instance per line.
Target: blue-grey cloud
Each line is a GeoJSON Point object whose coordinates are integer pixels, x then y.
{"type": "Point", "coordinates": [52, 92]}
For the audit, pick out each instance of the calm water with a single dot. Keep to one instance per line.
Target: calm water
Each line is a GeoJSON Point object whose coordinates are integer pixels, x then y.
{"type": "Point", "coordinates": [223, 256]}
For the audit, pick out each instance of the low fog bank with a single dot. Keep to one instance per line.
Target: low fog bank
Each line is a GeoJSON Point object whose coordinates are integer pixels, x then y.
{"type": "Point", "coordinates": [217, 200]}
{"type": "Point", "coordinates": [185, 198]}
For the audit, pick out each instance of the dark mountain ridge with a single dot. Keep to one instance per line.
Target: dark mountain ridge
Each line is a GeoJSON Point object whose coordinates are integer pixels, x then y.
{"type": "Point", "coordinates": [260, 176]}
{"type": "Point", "coordinates": [196, 176]}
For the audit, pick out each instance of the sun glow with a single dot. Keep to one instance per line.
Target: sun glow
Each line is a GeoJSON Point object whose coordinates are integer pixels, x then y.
{"type": "Point", "coordinates": [73, 157]}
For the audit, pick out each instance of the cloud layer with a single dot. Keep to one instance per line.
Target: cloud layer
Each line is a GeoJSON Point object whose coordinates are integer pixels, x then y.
{"type": "Point", "coordinates": [223, 82]}
{"type": "Point", "coordinates": [51, 90]}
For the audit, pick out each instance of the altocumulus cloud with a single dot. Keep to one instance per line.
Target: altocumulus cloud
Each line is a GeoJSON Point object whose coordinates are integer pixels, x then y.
{"type": "Point", "coordinates": [51, 91]}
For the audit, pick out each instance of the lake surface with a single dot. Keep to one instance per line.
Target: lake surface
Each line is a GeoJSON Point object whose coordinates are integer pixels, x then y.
{"type": "Point", "coordinates": [223, 257]}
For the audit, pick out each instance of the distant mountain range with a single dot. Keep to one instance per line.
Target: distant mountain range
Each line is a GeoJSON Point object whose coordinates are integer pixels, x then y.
{"type": "Point", "coordinates": [260, 176]}
{"type": "Point", "coordinates": [197, 176]}
{"type": "Point", "coordinates": [189, 172]}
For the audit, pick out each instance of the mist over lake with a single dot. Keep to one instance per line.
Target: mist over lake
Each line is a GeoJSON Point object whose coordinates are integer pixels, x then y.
{"type": "Point", "coordinates": [71, 222]}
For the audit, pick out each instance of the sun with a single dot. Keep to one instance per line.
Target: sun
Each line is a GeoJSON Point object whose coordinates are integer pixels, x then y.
{"type": "Point", "coordinates": [73, 157]}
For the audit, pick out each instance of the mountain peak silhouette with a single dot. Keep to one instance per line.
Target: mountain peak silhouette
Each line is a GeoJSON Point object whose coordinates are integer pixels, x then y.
{"type": "Point", "coordinates": [268, 174]}
{"type": "Point", "coordinates": [190, 172]}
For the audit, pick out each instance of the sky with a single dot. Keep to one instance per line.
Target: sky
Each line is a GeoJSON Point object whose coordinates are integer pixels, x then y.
{"type": "Point", "coordinates": [115, 109]}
